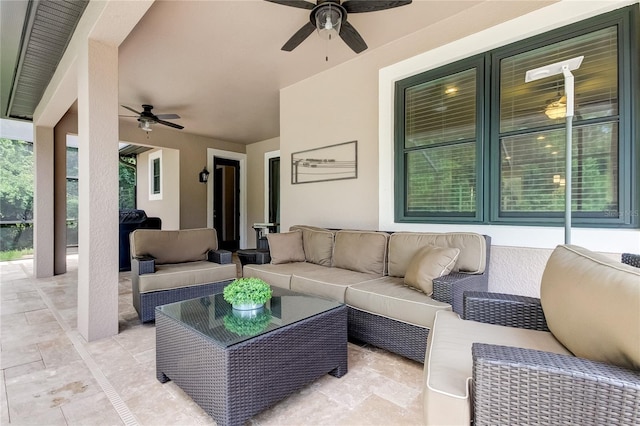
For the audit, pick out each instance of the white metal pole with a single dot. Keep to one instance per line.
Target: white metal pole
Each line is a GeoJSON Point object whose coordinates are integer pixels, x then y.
{"type": "Point", "coordinates": [568, 90]}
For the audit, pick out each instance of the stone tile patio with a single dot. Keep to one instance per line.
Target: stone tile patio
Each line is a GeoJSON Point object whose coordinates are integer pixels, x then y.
{"type": "Point", "coordinates": [52, 376]}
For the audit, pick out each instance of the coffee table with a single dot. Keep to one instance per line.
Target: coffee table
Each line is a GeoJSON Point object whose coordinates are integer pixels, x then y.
{"type": "Point", "coordinates": [234, 375]}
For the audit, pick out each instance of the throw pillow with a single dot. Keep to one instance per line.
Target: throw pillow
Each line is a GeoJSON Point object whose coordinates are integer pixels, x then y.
{"type": "Point", "coordinates": [286, 247]}
{"type": "Point", "coordinates": [428, 263]}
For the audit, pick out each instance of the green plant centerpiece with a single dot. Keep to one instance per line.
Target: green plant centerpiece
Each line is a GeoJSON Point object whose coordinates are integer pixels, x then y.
{"type": "Point", "coordinates": [247, 293]}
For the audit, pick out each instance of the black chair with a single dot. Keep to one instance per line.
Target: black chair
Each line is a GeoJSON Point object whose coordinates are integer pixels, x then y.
{"type": "Point", "coordinates": [130, 220]}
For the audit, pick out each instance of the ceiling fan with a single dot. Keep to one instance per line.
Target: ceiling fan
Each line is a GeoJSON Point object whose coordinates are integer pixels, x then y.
{"type": "Point", "coordinates": [330, 17]}
{"type": "Point", "coordinates": [146, 118]}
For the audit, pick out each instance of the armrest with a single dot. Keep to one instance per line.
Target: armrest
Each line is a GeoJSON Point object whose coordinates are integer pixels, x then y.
{"type": "Point", "coordinates": [504, 309]}
{"type": "Point", "coordinates": [450, 288]}
{"type": "Point", "coordinates": [222, 257]}
{"type": "Point", "coordinates": [143, 265]}
{"type": "Point", "coordinates": [525, 386]}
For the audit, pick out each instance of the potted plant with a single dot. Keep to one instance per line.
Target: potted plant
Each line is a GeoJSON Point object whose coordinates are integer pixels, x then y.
{"type": "Point", "coordinates": [247, 293]}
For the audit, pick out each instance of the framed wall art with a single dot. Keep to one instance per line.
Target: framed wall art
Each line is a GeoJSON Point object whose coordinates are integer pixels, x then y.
{"type": "Point", "coordinates": [332, 162]}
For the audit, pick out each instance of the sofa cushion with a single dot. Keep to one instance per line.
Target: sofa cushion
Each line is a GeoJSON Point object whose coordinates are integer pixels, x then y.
{"type": "Point", "coordinates": [389, 297]}
{"type": "Point", "coordinates": [279, 275]}
{"type": "Point", "coordinates": [286, 247]}
{"type": "Point", "coordinates": [449, 364]}
{"type": "Point", "coordinates": [403, 245]}
{"type": "Point", "coordinates": [592, 305]}
{"type": "Point", "coordinates": [328, 282]}
{"type": "Point", "coordinates": [185, 245]}
{"type": "Point", "coordinates": [361, 251]}
{"type": "Point", "coordinates": [428, 263]}
{"type": "Point", "coordinates": [177, 275]}
{"type": "Point", "coordinates": [317, 243]}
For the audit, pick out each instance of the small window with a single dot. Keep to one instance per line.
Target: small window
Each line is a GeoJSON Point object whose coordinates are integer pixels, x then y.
{"type": "Point", "coordinates": [155, 176]}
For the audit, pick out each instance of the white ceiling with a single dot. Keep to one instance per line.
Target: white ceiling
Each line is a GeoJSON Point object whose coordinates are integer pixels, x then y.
{"type": "Point", "coordinates": [218, 63]}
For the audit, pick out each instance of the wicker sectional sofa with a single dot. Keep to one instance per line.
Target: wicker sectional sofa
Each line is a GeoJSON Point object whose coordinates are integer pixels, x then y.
{"type": "Point", "coordinates": [170, 266]}
{"type": "Point", "coordinates": [367, 271]}
{"type": "Point", "coordinates": [570, 357]}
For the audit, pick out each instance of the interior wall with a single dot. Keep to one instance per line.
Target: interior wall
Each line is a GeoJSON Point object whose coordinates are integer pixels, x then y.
{"type": "Point", "coordinates": [168, 207]}
{"type": "Point", "coordinates": [345, 106]}
{"type": "Point", "coordinates": [193, 157]}
{"type": "Point", "coordinates": [256, 184]}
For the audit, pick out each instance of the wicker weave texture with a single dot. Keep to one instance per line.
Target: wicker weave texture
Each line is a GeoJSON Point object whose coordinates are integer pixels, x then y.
{"type": "Point", "coordinates": [524, 386]}
{"type": "Point", "coordinates": [631, 259]}
{"type": "Point", "coordinates": [146, 307]}
{"type": "Point", "coordinates": [398, 337]}
{"type": "Point", "coordinates": [235, 383]}
{"type": "Point", "coordinates": [450, 288]}
{"type": "Point", "coordinates": [505, 309]}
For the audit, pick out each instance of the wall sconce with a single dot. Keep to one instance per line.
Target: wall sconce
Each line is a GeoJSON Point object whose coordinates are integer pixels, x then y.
{"type": "Point", "coordinates": [203, 175]}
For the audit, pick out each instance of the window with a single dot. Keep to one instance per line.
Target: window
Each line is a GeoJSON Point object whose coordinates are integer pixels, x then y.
{"type": "Point", "coordinates": [72, 196]}
{"type": "Point", "coordinates": [155, 175]}
{"type": "Point", "coordinates": [492, 150]}
{"type": "Point", "coordinates": [438, 144]}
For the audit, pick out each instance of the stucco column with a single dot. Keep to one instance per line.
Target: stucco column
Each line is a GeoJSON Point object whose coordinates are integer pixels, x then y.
{"type": "Point", "coordinates": [43, 202]}
{"type": "Point", "coordinates": [98, 190]}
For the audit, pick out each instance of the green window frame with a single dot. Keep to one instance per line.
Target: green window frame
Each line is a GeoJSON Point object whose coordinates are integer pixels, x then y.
{"type": "Point", "coordinates": [606, 165]}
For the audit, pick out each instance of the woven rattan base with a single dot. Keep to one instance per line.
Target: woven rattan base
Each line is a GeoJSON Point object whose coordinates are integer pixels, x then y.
{"type": "Point", "coordinates": [398, 337]}
{"type": "Point", "coordinates": [146, 306]}
{"type": "Point", "coordinates": [233, 384]}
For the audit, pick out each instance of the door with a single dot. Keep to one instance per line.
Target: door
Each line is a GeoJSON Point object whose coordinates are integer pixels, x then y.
{"type": "Point", "coordinates": [226, 202]}
{"type": "Point", "coordinates": [274, 192]}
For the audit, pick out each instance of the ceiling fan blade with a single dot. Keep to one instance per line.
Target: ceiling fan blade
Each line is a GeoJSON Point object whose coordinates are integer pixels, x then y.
{"type": "Point", "coordinates": [299, 37]}
{"type": "Point", "coordinates": [351, 36]}
{"type": "Point", "coordinates": [301, 4]}
{"type": "Point", "coordinates": [130, 109]}
{"type": "Point", "coordinates": [168, 123]}
{"type": "Point", "coordinates": [361, 6]}
{"type": "Point", "coordinates": [167, 116]}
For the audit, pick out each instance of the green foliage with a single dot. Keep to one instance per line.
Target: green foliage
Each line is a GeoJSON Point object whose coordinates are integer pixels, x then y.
{"type": "Point", "coordinates": [14, 254]}
{"type": "Point", "coordinates": [247, 326]}
{"type": "Point", "coordinates": [127, 183]}
{"type": "Point", "coordinates": [246, 291]}
{"type": "Point", "coordinates": [16, 180]}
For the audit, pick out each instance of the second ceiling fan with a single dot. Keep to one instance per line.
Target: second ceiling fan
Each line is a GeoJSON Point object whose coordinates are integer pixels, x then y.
{"type": "Point", "coordinates": [330, 16]}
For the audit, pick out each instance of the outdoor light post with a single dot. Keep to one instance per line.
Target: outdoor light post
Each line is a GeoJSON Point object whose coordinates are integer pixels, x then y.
{"type": "Point", "coordinates": [564, 68]}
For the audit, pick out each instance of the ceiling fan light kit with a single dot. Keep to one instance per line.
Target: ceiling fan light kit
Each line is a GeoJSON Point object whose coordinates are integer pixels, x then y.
{"type": "Point", "coordinates": [146, 118]}
{"type": "Point", "coordinates": [329, 17]}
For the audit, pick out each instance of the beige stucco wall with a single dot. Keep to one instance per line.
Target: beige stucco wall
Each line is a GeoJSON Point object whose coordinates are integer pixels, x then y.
{"type": "Point", "coordinates": [167, 207]}
{"type": "Point", "coordinates": [343, 104]}
{"type": "Point", "coordinates": [256, 185]}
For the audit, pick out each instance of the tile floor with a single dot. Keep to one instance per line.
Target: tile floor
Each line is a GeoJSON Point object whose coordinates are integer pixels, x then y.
{"type": "Point", "coordinates": [52, 376]}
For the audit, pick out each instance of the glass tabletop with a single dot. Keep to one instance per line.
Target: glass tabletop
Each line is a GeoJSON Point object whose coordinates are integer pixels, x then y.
{"type": "Point", "coordinates": [214, 318]}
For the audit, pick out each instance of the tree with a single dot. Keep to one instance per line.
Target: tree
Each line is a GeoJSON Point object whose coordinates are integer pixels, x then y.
{"type": "Point", "coordinates": [16, 191]}
{"type": "Point", "coordinates": [16, 180]}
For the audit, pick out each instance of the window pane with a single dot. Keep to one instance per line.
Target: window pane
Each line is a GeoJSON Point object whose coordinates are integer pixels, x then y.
{"type": "Point", "coordinates": [441, 110]}
{"type": "Point", "coordinates": [156, 176]}
{"type": "Point", "coordinates": [523, 105]}
{"type": "Point", "coordinates": [442, 180]}
{"type": "Point", "coordinates": [533, 171]}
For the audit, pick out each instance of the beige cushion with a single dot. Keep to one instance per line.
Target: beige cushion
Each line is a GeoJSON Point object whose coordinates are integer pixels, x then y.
{"type": "Point", "coordinates": [449, 364]}
{"type": "Point", "coordinates": [173, 246]}
{"type": "Point", "coordinates": [177, 275]}
{"type": "Point", "coordinates": [326, 282]}
{"type": "Point", "coordinates": [389, 297]}
{"type": "Point", "coordinates": [317, 243]}
{"type": "Point", "coordinates": [286, 247]}
{"type": "Point", "coordinates": [403, 245]}
{"type": "Point", "coordinates": [278, 275]}
{"type": "Point", "coordinates": [428, 263]}
{"type": "Point", "coordinates": [361, 251]}
{"type": "Point", "coordinates": [592, 305]}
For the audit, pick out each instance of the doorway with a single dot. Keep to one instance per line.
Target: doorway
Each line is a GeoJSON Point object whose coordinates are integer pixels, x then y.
{"type": "Point", "coordinates": [226, 202]}
{"type": "Point", "coordinates": [274, 192]}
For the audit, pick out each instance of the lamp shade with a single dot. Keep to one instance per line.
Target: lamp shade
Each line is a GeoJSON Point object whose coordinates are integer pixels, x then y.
{"type": "Point", "coordinates": [557, 109]}
{"type": "Point", "coordinates": [328, 22]}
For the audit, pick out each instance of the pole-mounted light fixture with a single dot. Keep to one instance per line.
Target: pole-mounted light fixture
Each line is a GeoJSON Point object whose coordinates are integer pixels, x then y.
{"type": "Point", "coordinates": [564, 68]}
{"type": "Point", "coordinates": [203, 175]}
